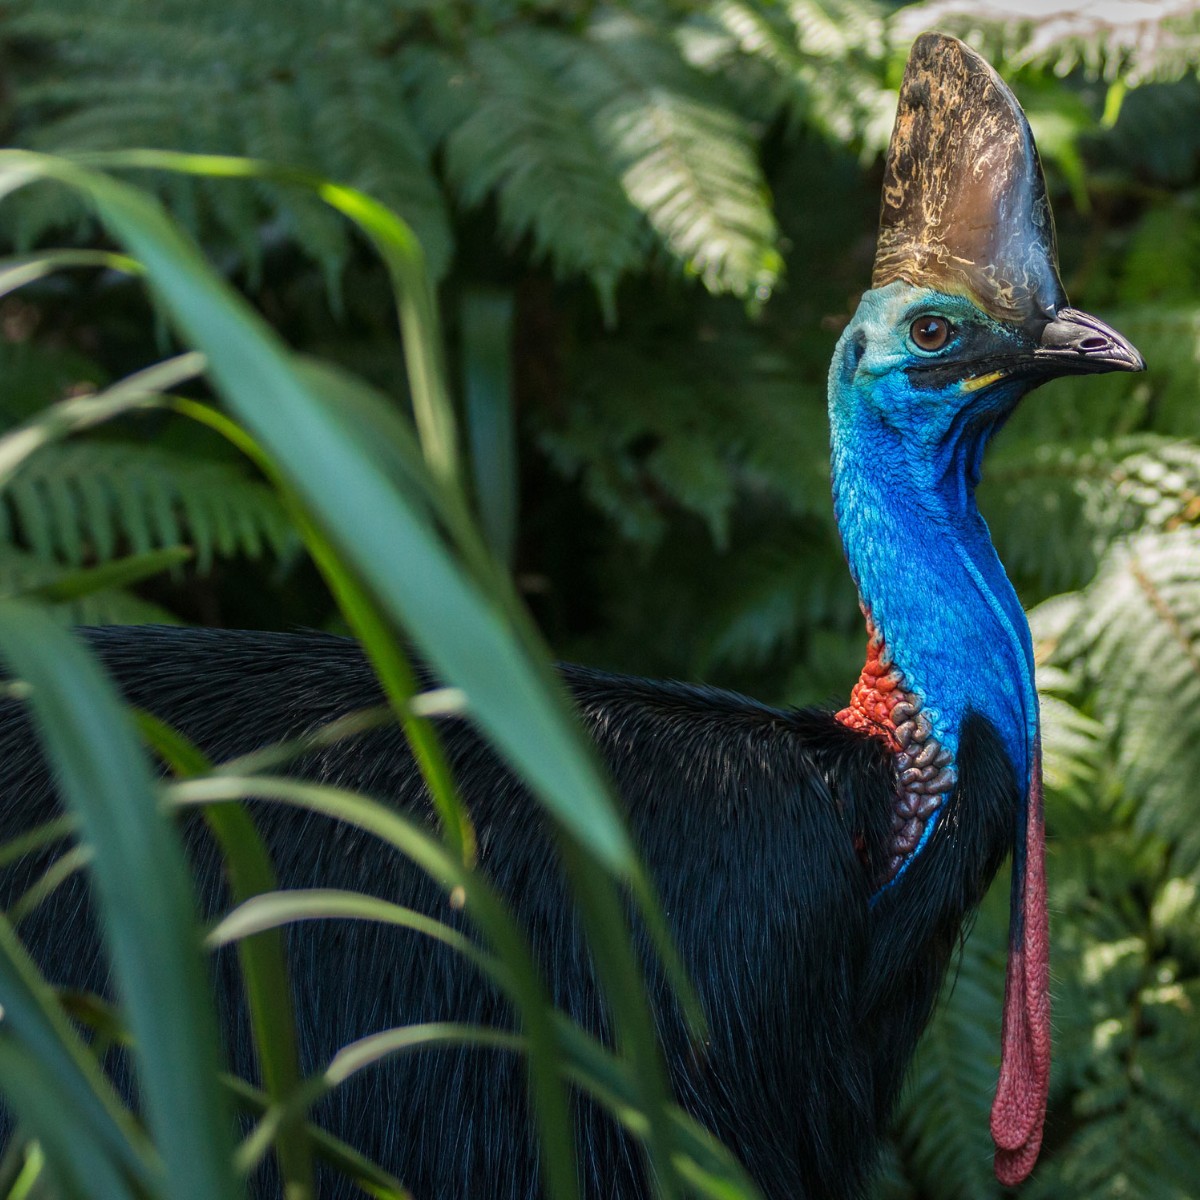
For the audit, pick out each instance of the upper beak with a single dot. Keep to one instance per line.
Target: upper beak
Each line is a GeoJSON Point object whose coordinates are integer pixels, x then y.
{"type": "Point", "coordinates": [1075, 342]}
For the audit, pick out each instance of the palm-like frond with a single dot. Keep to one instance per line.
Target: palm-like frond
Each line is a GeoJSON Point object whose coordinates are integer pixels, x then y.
{"type": "Point", "coordinates": [1083, 496]}
{"type": "Point", "coordinates": [941, 1130]}
{"type": "Point", "coordinates": [1137, 42]}
{"type": "Point", "coordinates": [583, 141]}
{"type": "Point", "coordinates": [512, 130]}
{"type": "Point", "coordinates": [1138, 637]}
{"type": "Point", "coordinates": [684, 157]}
{"type": "Point", "coordinates": [821, 62]}
{"type": "Point", "coordinates": [88, 502]}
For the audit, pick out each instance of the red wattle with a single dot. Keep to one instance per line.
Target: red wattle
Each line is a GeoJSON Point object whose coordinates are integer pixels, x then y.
{"type": "Point", "coordinates": [1019, 1109]}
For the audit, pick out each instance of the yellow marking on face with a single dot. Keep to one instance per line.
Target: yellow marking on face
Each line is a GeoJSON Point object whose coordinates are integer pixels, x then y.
{"type": "Point", "coordinates": [980, 381]}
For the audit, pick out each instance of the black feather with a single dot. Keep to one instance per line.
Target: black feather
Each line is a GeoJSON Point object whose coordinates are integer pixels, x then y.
{"type": "Point", "coordinates": [763, 830]}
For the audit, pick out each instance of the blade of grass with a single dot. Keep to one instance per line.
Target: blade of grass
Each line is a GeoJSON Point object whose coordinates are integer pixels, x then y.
{"type": "Point", "coordinates": [373, 630]}
{"type": "Point", "coordinates": [701, 1159]}
{"type": "Point", "coordinates": [486, 332]}
{"type": "Point", "coordinates": [262, 957]}
{"type": "Point", "coordinates": [633, 1023]}
{"type": "Point", "coordinates": [140, 390]}
{"type": "Point", "coordinates": [146, 901]}
{"type": "Point", "coordinates": [369, 1176]}
{"type": "Point", "coordinates": [260, 382]}
{"type": "Point", "coordinates": [23, 269]}
{"type": "Point", "coordinates": [401, 253]}
{"type": "Point", "coordinates": [420, 587]}
{"type": "Point", "coordinates": [119, 572]}
{"type": "Point", "coordinates": [486, 910]}
{"type": "Point", "coordinates": [368, 1052]}
{"type": "Point", "coordinates": [53, 877]}
{"type": "Point", "coordinates": [34, 839]}
{"type": "Point", "coordinates": [389, 443]}
{"type": "Point", "coordinates": [57, 1090]}
{"type": "Point", "coordinates": [395, 243]}
{"type": "Point", "coordinates": [271, 910]}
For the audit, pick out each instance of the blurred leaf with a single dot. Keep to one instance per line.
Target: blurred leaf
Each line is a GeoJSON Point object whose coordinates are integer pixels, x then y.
{"type": "Point", "coordinates": [120, 572]}
{"type": "Point", "coordinates": [154, 947]}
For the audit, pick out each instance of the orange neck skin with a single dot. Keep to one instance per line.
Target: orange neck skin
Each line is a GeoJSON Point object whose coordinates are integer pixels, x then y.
{"type": "Point", "coordinates": [874, 697]}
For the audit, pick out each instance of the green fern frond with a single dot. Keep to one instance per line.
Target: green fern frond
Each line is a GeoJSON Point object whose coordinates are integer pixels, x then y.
{"type": "Point", "coordinates": [529, 140]}
{"type": "Point", "coordinates": [685, 158]}
{"type": "Point", "coordinates": [822, 62]}
{"type": "Point", "coordinates": [1138, 1139]}
{"type": "Point", "coordinates": [84, 502]}
{"type": "Point", "coordinates": [778, 598]}
{"type": "Point", "coordinates": [1109, 487]}
{"type": "Point", "coordinates": [1135, 43]}
{"type": "Point", "coordinates": [1138, 636]}
{"type": "Point", "coordinates": [585, 136]}
{"type": "Point", "coordinates": [662, 420]}
{"type": "Point", "coordinates": [888, 1182]}
{"type": "Point", "coordinates": [942, 1121]}
{"type": "Point", "coordinates": [300, 86]}
{"type": "Point", "coordinates": [1071, 742]}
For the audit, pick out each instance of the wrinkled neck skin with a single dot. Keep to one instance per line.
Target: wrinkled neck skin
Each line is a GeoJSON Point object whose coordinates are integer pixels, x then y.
{"type": "Point", "coordinates": [936, 598]}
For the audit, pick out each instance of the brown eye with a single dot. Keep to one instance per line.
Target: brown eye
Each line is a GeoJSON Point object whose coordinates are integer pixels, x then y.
{"type": "Point", "coordinates": [930, 333]}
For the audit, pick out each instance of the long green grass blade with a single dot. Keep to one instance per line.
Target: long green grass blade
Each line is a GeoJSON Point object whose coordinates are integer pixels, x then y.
{"type": "Point", "coordinates": [28, 268]}
{"type": "Point", "coordinates": [56, 1089]}
{"type": "Point", "coordinates": [489, 914]}
{"type": "Point", "coordinates": [55, 830]}
{"type": "Point", "coordinates": [401, 253]}
{"type": "Point", "coordinates": [67, 864]}
{"type": "Point", "coordinates": [369, 1176]}
{"type": "Point", "coordinates": [140, 390]}
{"type": "Point", "coordinates": [146, 901]}
{"type": "Point", "coordinates": [261, 955]}
{"type": "Point", "coordinates": [486, 335]}
{"type": "Point", "coordinates": [699, 1157]}
{"type": "Point", "coordinates": [120, 572]}
{"type": "Point", "coordinates": [271, 910]}
{"type": "Point", "coordinates": [396, 552]}
{"type": "Point", "coordinates": [369, 1052]}
{"type": "Point", "coordinates": [361, 611]}
{"type": "Point", "coordinates": [633, 1024]}
{"type": "Point", "coordinates": [383, 441]}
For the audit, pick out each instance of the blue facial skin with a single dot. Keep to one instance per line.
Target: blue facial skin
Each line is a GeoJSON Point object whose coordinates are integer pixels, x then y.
{"type": "Point", "coordinates": [907, 450]}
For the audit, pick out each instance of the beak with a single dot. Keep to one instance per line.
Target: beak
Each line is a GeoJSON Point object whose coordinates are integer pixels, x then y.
{"type": "Point", "coordinates": [1076, 343]}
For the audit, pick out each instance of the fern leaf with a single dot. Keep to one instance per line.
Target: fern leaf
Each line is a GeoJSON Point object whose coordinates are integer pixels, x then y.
{"type": "Point", "coordinates": [685, 158]}
{"type": "Point", "coordinates": [1110, 487]}
{"type": "Point", "coordinates": [943, 1116]}
{"type": "Point", "coordinates": [823, 62]}
{"type": "Point", "coordinates": [1071, 742]}
{"type": "Point", "coordinates": [518, 133]}
{"type": "Point", "coordinates": [366, 139]}
{"type": "Point", "coordinates": [1139, 636]}
{"type": "Point", "coordinates": [79, 502]}
{"type": "Point", "coordinates": [1137, 42]}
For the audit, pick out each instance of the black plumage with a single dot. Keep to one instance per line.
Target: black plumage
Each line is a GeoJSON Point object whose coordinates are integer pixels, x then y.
{"type": "Point", "coordinates": [754, 822]}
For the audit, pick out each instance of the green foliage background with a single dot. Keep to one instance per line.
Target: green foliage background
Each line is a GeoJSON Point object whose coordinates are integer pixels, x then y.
{"type": "Point", "coordinates": [648, 221]}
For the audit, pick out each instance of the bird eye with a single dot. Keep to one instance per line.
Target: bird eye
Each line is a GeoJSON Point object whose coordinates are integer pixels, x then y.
{"type": "Point", "coordinates": [930, 333]}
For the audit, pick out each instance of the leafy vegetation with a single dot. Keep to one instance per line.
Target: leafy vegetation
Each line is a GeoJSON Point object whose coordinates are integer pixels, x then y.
{"type": "Point", "coordinates": [648, 222]}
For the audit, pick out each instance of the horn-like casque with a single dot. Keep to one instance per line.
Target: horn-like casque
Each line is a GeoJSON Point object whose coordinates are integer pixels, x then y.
{"type": "Point", "coordinates": [964, 200]}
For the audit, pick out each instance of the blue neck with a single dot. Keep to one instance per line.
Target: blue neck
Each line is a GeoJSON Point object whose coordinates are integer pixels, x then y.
{"type": "Point", "coordinates": [927, 573]}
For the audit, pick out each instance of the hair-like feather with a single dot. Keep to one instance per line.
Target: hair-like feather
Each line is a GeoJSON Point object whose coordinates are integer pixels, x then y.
{"type": "Point", "coordinates": [748, 818]}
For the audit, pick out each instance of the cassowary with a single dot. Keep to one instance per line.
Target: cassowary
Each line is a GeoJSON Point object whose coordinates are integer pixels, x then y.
{"type": "Point", "coordinates": [816, 867]}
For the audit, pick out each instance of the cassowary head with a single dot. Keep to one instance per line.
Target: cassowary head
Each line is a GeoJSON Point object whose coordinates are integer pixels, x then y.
{"type": "Point", "coordinates": [966, 311]}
